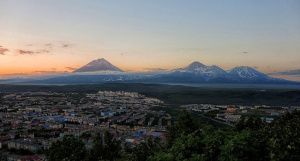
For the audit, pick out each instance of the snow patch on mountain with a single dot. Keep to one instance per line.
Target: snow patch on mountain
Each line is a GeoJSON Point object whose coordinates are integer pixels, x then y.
{"type": "Point", "coordinates": [200, 69]}
{"type": "Point", "coordinates": [246, 72]}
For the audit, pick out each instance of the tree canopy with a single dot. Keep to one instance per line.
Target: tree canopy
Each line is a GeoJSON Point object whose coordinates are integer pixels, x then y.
{"type": "Point", "coordinates": [250, 140]}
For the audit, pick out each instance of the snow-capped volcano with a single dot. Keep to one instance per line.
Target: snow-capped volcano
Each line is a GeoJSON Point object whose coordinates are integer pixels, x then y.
{"type": "Point", "coordinates": [200, 69]}
{"type": "Point", "coordinates": [197, 72]}
{"type": "Point", "coordinates": [99, 65]}
{"type": "Point", "coordinates": [195, 66]}
{"type": "Point", "coordinates": [244, 72]}
{"type": "Point", "coordinates": [101, 70]}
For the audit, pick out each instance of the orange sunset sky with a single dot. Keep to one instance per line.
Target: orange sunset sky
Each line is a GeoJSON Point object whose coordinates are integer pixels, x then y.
{"type": "Point", "coordinates": [58, 36]}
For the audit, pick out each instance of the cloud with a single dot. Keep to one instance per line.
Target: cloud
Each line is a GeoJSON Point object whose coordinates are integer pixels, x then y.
{"type": "Point", "coordinates": [41, 51]}
{"type": "Point", "coordinates": [12, 75]}
{"type": "Point", "coordinates": [58, 44]}
{"type": "Point", "coordinates": [49, 72]}
{"type": "Point", "coordinates": [66, 45]}
{"type": "Point", "coordinates": [244, 52]}
{"type": "Point", "coordinates": [155, 69]}
{"type": "Point", "coordinates": [33, 49]}
{"type": "Point", "coordinates": [71, 68]}
{"type": "Point", "coordinates": [48, 45]}
{"type": "Point", "coordinates": [295, 72]}
{"type": "Point", "coordinates": [34, 74]}
{"type": "Point", "coordinates": [25, 52]}
{"type": "Point", "coordinates": [32, 52]}
{"type": "Point", "coordinates": [3, 50]}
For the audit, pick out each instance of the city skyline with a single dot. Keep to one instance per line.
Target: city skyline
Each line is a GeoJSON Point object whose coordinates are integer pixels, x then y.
{"type": "Point", "coordinates": [58, 36]}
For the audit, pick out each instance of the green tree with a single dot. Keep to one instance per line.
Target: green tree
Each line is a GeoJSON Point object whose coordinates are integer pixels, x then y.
{"type": "Point", "coordinates": [161, 156]}
{"type": "Point", "coordinates": [68, 149]}
{"type": "Point", "coordinates": [243, 146]}
{"type": "Point", "coordinates": [212, 141]}
{"type": "Point", "coordinates": [145, 149]}
{"type": "Point", "coordinates": [3, 157]}
{"type": "Point", "coordinates": [250, 123]}
{"type": "Point", "coordinates": [185, 148]}
{"type": "Point", "coordinates": [285, 138]}
{"type": "Point", "coordinates": [105, 148]}
{"type": "Point", "coordinates": [111, 148]}
{"type": "Point", "coordinates": [185, 124]}
{"type": "Point", "coordinates": [96, 153]}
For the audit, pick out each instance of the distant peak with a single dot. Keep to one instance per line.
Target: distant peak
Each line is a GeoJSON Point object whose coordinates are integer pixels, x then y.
{"type": "Point", "coordinates": [98, 65]}
{"type": "Point", "coordinates": [100, 60]}
{"type": "Point", "coordinates": [196, 64]}
{"type": "Point", "coordinates": [246, 72]}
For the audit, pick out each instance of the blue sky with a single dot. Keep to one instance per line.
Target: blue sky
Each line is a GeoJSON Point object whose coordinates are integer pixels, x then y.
{"type": "Point", "coordinates": [139, 34]}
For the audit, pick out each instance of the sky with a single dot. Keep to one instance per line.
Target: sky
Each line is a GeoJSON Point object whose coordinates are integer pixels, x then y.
{"type": "Point", "coordinates": [58, 36]}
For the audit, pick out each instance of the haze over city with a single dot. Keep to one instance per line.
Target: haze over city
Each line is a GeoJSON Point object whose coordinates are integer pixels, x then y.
{"type": "Point", "coordinates": [42, 37]}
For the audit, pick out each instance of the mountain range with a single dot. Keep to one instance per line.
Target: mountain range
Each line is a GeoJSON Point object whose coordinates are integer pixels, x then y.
{"type": "Point", "coordinates": [100, 70]}
{"type": "Point", "coordinates": [197, 72]}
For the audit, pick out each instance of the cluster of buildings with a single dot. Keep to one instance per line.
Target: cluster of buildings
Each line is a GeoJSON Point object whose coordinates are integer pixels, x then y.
{"type": "Point", "coordinates": [233, 113]}
{"type": "Point", "coordinates": [31, 121]}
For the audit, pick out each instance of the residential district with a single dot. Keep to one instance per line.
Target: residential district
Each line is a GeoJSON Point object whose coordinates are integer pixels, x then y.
{"type": "Point", "coordinates": [32, 121]}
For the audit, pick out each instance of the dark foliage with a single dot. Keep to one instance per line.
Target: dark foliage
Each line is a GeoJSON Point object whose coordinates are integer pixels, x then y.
{"type": "Point", "coordinates": [68, 149]}
{"type": "Point", "coordinates": [175, 94]}
{"type": "Point", "coordinates": [250, 140]}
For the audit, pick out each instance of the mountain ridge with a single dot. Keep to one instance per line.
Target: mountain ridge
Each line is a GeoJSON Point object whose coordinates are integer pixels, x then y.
{"type": "Point", "coordinates": [100, 70]}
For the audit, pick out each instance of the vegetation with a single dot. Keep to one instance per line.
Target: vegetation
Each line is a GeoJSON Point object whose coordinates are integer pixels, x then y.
{"type": "Point", "coordinates": [3, 157]}
{"type": "Point", "coordinates": [177, 95]}
{"type": "Point", "coordinates": [68, 149]}
{"type": "Point", "coordinates": [249, 140]}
